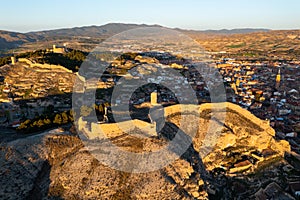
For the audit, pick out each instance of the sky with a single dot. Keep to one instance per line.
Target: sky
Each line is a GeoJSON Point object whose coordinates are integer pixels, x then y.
{"type": "Point", "coordinates": [34, 15]}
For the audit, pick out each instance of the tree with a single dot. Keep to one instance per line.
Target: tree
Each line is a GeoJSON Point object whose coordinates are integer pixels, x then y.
{"type": "Point", "coordinates": [57, 119]}
{"type": "Point", "coordinates": [71, 115]}
{"type": "Point", "coordinates": [40, 123]}
{"type": "Point", "coordinates": [24, 125]}
{"type": "Point", "coordinates": [64, 118]}
{"type": "Point", "coordinates": [47, 121]}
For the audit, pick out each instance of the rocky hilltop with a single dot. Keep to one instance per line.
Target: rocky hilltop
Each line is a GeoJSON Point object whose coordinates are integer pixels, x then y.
{"type": "Point", "coordinates": [36, 80]}
{"type": "Point", "coordinates": [246, 161]}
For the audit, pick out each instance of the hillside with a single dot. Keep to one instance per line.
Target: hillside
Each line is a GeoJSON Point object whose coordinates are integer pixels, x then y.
{"type": "Point", "coordinates": [90, 31]}
{"type": "Point", "coordinates": [36, 80]}
{"type": "Point", "coordinates": [237, 43]}
{"type": "Point", "coordinates": [9, 40]}
{"type": "Point", "coordinates": [285, 44]}
{"type": "Point", "coordinates": [86, 34]}
{"type": "Point", "coordinates": [56, 164]}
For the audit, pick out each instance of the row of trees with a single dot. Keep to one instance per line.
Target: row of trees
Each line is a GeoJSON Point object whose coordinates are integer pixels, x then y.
{"type": "Point", "coordinates": [51, 120]}
{"type": "Point", "coordinates": [45, 122]}
{"type": "Point", "coordinates": [32, 54]}
{"type": "Point", "coordinates": [71, 60]}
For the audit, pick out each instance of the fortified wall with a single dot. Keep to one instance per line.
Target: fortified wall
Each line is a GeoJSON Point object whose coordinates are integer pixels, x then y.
{"type": "Point", "coordinates": [45, 67]}
{"type": "Point", "coordinates": [96, 130]}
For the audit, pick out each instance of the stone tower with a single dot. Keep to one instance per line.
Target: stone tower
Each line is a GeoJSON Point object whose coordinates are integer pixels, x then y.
{"type": "Point", "coordinates": [154, 98]}
{"type": "Point", "coordinates": [13, 60]}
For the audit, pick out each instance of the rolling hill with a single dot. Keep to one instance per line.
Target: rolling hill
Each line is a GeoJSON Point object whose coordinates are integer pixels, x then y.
{"type": "Point", "coordinates": [238, 43]}
{"type": "Point", "coordinates": [12, 40]}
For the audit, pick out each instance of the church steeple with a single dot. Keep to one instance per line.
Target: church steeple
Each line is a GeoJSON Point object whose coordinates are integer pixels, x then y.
{"type": "Point", "coordinates": [278, 79]}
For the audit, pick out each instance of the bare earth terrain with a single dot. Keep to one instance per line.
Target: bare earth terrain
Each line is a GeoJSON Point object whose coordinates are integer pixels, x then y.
{"type": "Point", "coordinates": [57, 165]}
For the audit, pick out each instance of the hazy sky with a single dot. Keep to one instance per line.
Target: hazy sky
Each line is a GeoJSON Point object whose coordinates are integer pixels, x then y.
{"type": "Point", "coordinates": [30, 15]}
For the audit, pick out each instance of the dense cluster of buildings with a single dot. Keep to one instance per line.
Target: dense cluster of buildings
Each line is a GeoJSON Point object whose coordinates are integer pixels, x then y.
{"type": "Point", "coordinates": [269, 90]}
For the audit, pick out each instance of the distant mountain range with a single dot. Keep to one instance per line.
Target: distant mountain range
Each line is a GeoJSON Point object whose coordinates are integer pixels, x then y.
{"type": "Point", "coordinates": [11, 40]}
{"type": "Point", "coordinates": [236, 31]}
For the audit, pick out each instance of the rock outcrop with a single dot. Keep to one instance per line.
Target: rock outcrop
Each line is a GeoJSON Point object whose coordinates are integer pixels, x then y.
{"type": "Point", "coordinates": [57, 165]}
